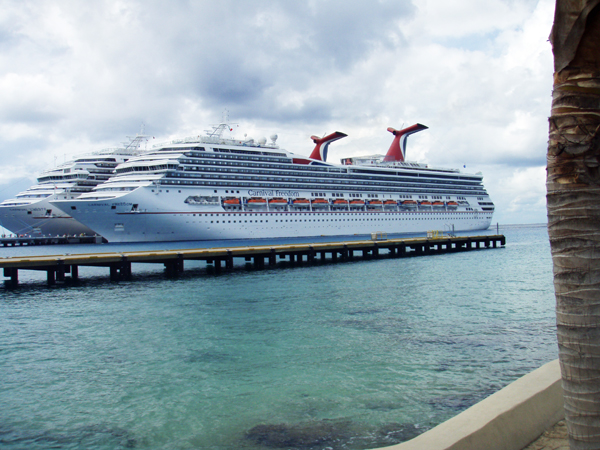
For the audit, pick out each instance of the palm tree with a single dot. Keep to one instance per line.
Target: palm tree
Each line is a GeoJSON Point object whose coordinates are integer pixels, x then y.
{"type": "Point", "coordinates": [573, 197]}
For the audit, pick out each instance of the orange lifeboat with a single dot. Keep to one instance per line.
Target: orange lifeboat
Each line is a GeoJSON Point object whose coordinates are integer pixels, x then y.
{"type": "Point", "coordinates": [409, 205]}
{"type": "Point", "coordinates": [300, 201]}
{"type": "Point", "coordinates": [277, 201]}
{"type": "Point", "coordinates": [320, 203]}
{"type": "Point", "coordinates": [390, 202]}
{"type": "Point", "coordinates": [357, 202]}
{"type": "Point", "coordinates": [375, 202]}
{"type": "Point", "coordinates": [438, 205]}
{"type": "Point", "coordinates": [231, 201]}
{"type": "Point", "coordinates": [257, 201]}
{"type": "Point", "coordinates": [340, 201]}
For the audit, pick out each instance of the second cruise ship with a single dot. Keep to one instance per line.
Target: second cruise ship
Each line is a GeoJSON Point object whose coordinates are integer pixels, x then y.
{"type": "Point", "coordinates": [30, 211]}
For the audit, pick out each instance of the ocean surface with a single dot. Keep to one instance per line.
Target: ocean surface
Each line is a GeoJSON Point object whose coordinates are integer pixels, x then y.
{"type": "Point", "coordinates": [351, 355]}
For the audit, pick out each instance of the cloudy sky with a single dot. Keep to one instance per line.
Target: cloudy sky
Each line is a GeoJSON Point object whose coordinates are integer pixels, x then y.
{"type": "Point", "coordinates": [76, 77]}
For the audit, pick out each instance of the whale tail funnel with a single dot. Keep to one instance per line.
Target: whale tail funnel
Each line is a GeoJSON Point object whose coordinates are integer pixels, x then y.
{"type": "Point", "coordinates": [397, 151]}
{"type": "Point", "coordinates": [322, 145]}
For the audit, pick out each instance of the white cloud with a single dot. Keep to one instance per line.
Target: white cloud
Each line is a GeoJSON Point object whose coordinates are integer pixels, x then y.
{"type": "Point", "coordinates": [79, 76]}
{"type": "Point", "coordinates": [520, 195]}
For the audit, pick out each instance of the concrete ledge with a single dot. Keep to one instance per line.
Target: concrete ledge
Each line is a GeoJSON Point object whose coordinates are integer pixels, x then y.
{"type": "Point", "coordinates": [510, 419]}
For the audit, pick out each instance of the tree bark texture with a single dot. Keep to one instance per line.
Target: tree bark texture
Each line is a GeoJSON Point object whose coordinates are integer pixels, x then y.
{"type": "Point", "coordinates": [573, 199]}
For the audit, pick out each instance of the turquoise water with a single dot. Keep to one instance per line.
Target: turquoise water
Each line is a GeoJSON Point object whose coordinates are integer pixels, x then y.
{"type": "Point", "coordinates": [345, 356]}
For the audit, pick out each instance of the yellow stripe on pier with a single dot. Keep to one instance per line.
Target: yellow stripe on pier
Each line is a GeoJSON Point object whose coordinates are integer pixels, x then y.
{"type": "Point", "coordinates": [57, 266]}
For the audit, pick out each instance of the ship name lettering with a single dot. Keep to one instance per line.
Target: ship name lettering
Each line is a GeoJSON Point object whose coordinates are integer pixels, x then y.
{"type": "Point", "coordinates": [287, 193]}
{"type": "Point", "coordinates": [263, 193]}
{"type": "Point", "coordinates": [272, 193]}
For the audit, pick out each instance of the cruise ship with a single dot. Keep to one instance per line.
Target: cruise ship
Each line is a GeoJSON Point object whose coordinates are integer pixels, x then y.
{"type": "Point", "coordinates": [31, 213]}
{"type": "Point", "coordinates": [215, 187]}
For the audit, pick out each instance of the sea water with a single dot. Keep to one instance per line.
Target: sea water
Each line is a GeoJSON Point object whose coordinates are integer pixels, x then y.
{"type": "Point", "coordinates": [350, 355]}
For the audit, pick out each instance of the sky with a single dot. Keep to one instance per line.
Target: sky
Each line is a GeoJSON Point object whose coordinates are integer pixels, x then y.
{"type": "Point", "coordinates": [77, 77]}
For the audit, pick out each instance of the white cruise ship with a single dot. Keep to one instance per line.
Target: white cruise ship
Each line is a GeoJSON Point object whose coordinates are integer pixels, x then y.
{"type": "Point", "coordinates": [31, 213]}
{"type": "Point", "coordinates": [209, 187]}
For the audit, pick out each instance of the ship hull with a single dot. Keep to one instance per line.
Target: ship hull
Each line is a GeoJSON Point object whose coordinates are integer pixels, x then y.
{"type": "Point", "coordinates": [146, 216]}
{"type": "Point", "coordinates": [41, 218]}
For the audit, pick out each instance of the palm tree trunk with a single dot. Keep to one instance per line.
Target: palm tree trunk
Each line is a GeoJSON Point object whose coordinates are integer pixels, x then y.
{"type": "Point", "coordinates": [573, 198]}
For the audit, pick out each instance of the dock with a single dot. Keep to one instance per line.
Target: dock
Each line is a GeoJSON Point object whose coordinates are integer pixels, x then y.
{"type": "Point", "coordinates": [59, 268]}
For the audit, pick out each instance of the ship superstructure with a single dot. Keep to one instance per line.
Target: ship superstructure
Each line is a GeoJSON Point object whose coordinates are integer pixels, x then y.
{"type": "Point", "coordinates": [31, 213]}
{"type": "Point", "coordinates": [210, 187]}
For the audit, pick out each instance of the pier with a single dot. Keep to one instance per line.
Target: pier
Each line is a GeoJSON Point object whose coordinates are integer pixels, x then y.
{"type": "Point", "coordinates": [61, 267]}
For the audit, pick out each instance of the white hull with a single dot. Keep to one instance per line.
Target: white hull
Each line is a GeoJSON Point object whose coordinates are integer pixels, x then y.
{"type": "Point", "coordinates": [143, 216]}
{"type": "Point", "coordinates": [41, 218]}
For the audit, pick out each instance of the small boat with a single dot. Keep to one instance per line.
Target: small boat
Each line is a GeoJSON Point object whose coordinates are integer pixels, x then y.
{"type": "Point", "coordinates": [390, 205]}
{"type": "Point", "coordinates": [374, 204]}
{"type": "Point", "coordinates": [452, 205]}
{"type": "Point", "coordinates": [320, 203]}
{"type": "Point", "coordinates": [231, 201]}
{"type": "Point", "coordinates": [357, 204]}
{"type": "Point", "coordinates": [409, 205]}
{"type": "Point", "coordinates": [438, 205]}
{"type": "Point", "coordinates": [277, 201]}
{"type": "Point", "coordinates": [426, 204]}
{"type": "Point", "coordinates": [256, 201]}
{"type": "Point", "coordinates": [340, 204]}
{"type": "Point", "coordinates": [300, 201]}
